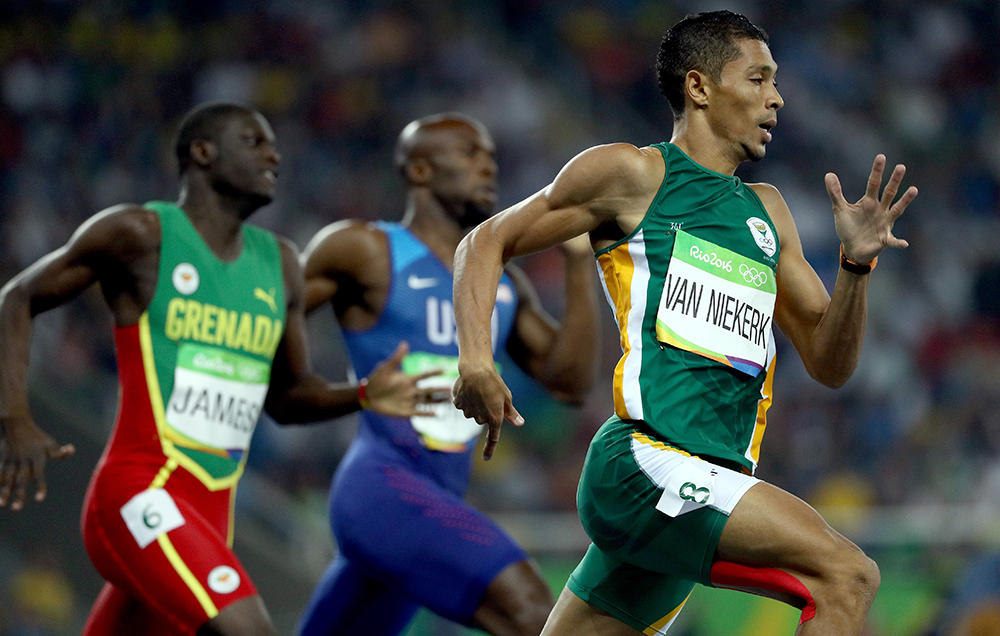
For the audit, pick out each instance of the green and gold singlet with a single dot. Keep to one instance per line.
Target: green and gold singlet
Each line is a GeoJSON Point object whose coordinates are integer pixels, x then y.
{"type": "Point", "coordinates": [693, 290]}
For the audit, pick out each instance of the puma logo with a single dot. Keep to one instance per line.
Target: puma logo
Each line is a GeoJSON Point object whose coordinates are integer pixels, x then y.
{"type": "Point", "coordinates": [267, 297]}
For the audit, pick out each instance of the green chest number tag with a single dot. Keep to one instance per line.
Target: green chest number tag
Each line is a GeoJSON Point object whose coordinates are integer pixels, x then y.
{"type": "Point", "coordinates": [216, 400]}
{"type": "Point", "coordinates": [446, 429]}
{"type": "Point", "coordinates": [718, 304]}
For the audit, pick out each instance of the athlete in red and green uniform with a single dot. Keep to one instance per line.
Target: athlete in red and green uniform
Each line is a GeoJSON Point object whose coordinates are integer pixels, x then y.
{"type": "Point", "coordinates": [209, 330]}
{"type": "Point", "coordinates": [194, 372]}
{"type": "Point", "coordinates": [697, 266]}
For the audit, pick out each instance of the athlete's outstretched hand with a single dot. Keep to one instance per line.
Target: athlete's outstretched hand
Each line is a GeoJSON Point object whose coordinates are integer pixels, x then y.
{"type": "Point", "coordinates": [865, 227]}
{"type": "Point", "coordinates": [484, 397]}
{"type": "Point", "coordinates": [392, 392]}
{"type": "Point", "coordinates": [23, 452]}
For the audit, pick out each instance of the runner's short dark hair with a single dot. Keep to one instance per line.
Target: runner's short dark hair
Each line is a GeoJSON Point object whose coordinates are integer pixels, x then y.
{"type": "Point", "coordinates": [702, 41]}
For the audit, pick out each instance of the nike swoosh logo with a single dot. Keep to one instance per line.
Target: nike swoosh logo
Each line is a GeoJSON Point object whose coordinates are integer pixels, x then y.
{"type": "Point", "coordinates": [415, 282]}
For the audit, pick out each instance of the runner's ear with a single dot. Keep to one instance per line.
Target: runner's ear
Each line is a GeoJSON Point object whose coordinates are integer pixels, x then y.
{"type": "Point", "coordinates": [417, 170]}
{"type": "Point", "coordinates": [203, 152]}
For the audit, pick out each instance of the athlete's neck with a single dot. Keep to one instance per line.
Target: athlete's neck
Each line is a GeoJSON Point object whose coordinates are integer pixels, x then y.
{"type": "Point", "coordinates": [704, 147]}
{"type": "Point", "coordinates": [217, 219]}
{"type": "Point", "coordinates": [438, 230]}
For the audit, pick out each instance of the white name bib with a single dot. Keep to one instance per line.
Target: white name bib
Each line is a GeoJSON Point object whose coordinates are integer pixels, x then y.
{"type": "Point", "coordinates": [217, 397]}
{"type": "Point", "coordinates": [447, 429]}
{"type": "Point", "coordinates": [718, 304]}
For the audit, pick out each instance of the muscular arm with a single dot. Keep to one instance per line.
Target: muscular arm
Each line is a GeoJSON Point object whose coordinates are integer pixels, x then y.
{"type": "Point", "coordinates": [299, 395]}
{"type": "Point", "coordinates": [828, 331]}
{"type": "Point", "coordinates": [346, 263]}
{"type": "Point", "coordinates": [563, 357]}
{"type": "Point", "coordinates": [605, 184]}
{"type": "Point", "coordinates": [296, 393]}
{"type": "Point", "coordinates": [113, 247]}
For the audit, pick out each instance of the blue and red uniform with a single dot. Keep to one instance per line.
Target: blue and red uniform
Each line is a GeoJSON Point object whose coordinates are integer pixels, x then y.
{"type": "Point", "coordinates": [405, 537]}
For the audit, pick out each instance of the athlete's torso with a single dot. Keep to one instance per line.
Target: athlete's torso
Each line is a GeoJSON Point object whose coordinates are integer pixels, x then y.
{"type": "Point", "coordinates": [195, 369]}
{"type": "Point", "coordinates": [419, 309]}
{"type": "Point", "coordinates": [692, 288]}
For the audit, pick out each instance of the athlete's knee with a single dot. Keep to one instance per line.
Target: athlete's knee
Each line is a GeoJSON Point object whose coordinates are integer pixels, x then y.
{"type": "Point", "coordinates": [517, 602]}
{"type": "Point", "coordinates": [246, 617]}
{"type": "Point", "coordinates": [849, 581]}
{"type": "Point", "coordinates": [240, 627]}
{"type": "Point", "coordinates": [863, 577]}
{"type": "Point", "coordinates": [524, 615]}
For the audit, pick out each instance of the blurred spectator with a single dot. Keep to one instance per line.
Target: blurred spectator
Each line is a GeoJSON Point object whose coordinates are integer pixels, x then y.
{"type": "Point", "coordinates": [40, 598]}
{"type": "Point", "coordinates": [90, 91]}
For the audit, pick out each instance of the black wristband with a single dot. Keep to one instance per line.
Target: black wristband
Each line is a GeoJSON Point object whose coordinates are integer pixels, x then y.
{"type": "Point", "coordinates": [855, 268]}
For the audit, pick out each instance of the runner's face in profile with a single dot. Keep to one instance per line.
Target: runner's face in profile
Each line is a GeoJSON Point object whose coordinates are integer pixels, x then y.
{"type": "Point", "coordinates": [746, 100]}
{"type": "Point", "coordinates": [464, 171]}
{"type": "Point", "coordinates": [248, 160]}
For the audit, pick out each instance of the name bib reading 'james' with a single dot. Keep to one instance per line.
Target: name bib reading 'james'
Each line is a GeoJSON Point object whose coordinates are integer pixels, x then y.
{"type": "Point", "coordinates": [216, 400]}
{"type": "Point", "coordinates": [446, 429]}
{"type": "Point", "coordinates": [717, 303]}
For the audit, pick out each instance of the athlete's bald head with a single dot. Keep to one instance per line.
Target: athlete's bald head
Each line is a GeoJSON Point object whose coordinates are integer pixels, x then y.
{"type": "Point", "coordinates": [423, 137]}
{"type": "Point", "coordinates": [447, 161]}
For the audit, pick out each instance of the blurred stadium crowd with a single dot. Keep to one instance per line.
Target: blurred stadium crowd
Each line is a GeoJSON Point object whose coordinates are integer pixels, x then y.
{"type": "Point", "coordinates": [91, 92]}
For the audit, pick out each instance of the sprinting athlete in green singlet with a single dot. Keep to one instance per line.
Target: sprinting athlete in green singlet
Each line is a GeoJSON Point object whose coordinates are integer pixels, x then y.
{"type": "Point", "coordinates": [697, 266]}
{"type": "Point", "coordinates": [209, 330]}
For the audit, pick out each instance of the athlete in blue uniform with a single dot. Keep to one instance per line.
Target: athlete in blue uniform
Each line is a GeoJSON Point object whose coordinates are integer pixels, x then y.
{"type": "Point", "coordinates": [406, 539]}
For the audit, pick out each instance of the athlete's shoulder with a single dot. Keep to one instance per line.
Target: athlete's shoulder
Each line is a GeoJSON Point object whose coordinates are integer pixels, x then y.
{"type": "Point", "coordinates": [765, 190]}
{"type": "Point", "coordinates": [778, 210]}
{"type": "Point", "coordinates": [621, 160]}
{"type": "Point", "coordinates": [769, 195]}
{"type": "Point", "coordinates": [126, 227]}
{"type": "Point", "coordinates": [349, 238]}
{"type": "Point", "coordinates": [127, 215]}
{"type": "Point", "coordinates": [613, 171]}
{"type": "Point", "coordinates": [286, 246]}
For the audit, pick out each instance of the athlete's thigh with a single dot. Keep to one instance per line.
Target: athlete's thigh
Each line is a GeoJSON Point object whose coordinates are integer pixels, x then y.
{"type": "Point", "coordinates": [245, 617]}
{"type": "Point", "coordinates": [645, 600]}
{"type": "Point", "coordinates": [572, 616]}
{"type": "Point", "coordinates": [657, 507]}
{"type": "Point", "coordinates": [409, 532]}
{"type": "Point", "coordinates": [159, 549]}
{"type": "Point", "coordinates": [117, 612]}
{"type": "Point", "coordinates": [770, 527]}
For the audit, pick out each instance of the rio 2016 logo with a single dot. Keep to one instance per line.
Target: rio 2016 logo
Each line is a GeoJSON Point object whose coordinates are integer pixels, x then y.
{"type": "Point", "coordinates": [711, 258]}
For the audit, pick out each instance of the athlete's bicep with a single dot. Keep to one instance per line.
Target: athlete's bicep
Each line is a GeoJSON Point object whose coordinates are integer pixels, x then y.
{"type": "Point", "coordinates": [319, 266]}
{"type": "Point", "coordinates": [601, 184]}
{"type": "Point", "coordinates": [534, 330]}
{"type": "Point", "coordinates": [98, 249]}
{"type": "Point", "coordinates": [338, 259]}
{"type": "Point", "coordinates": [292, 358]}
